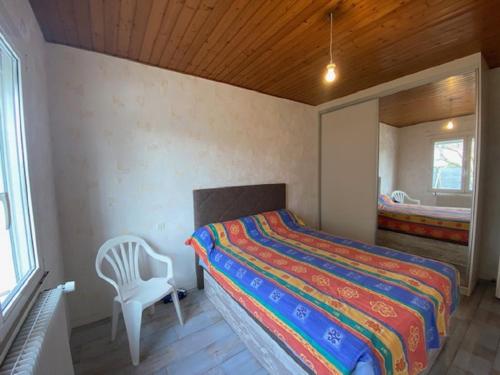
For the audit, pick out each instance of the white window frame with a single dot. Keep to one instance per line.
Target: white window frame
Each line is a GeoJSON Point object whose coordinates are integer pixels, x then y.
{"type": "Point", "coordinates": [467, 139]}
{"type": "Point", "coordinates": [11, 312]}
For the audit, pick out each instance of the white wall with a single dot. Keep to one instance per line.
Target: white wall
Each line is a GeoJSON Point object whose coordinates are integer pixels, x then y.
{"type": "Point", "coordinates": [21, 30]}
{"type": "Point", "coordinates": [388, 157]}
{"type": "Point", "coordinates": [490, 241]}
{"type": "Point", "coordinates": [132, 141]}
{"type": "Point", "coordinates": [415, 155]}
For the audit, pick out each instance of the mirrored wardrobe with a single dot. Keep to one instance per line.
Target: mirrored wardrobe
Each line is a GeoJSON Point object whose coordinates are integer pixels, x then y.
{"type": "Point", "coordinates": [427, 162]}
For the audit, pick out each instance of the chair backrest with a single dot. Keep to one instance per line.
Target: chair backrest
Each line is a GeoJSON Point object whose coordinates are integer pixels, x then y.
{"type": "Point", "coordinates": [122, 254]}
{"type": "Point", "coordinates": [398, 196]}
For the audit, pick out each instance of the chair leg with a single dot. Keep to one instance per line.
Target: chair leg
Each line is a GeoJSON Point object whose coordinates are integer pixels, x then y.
{"type": "Point", "coordinates": [177, 305]}
{"type": "Point", "coordinates": [132, 314]}
{"type": "Point", "coordinates": [114, 318]}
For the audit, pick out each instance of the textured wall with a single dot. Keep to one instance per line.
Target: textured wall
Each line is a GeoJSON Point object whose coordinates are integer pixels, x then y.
{"type": "Point", "coordinates": [131, 142]}
{"type": "Point", "coordinates": [20, 28]}
{"type": "Point", "coordinates": [387, 158]}
{"type": "Point", "coordinates": [415, 157]}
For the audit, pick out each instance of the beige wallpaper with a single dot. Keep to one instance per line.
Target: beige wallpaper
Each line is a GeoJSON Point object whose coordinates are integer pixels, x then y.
{"type": "Point", "coordinates": [387, 158]}
{"type": "Point", "coordinates": [20, 28]}
{"type": "Point", "coordinates": [131, 142]}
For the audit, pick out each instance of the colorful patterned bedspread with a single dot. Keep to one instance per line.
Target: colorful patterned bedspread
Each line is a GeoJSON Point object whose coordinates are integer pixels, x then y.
{"type": "Point", "coordinates": [441, 223]}
{"type": "Point", "coordinates": [333, 302]}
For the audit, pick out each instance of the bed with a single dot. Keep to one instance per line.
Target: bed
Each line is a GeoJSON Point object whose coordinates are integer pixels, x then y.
{"type": "Point", "coordinates": [304, 301]}
{"type": "Point", "coordinates": [440, 233]}
{"type": "Point", "coordinates": [447, 224]}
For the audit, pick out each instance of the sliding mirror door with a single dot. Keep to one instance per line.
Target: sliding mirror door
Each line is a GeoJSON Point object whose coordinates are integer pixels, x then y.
{"type": "Point", "coordinates": [427, 163]}
{"type": "Point", "coordinates": [349, 171]}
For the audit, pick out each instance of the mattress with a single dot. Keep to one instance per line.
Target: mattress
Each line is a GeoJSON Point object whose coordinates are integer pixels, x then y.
{"type": "Point", "coordinates": [336, 304]}
{"type": "Point", "coordinates": [448, 224]}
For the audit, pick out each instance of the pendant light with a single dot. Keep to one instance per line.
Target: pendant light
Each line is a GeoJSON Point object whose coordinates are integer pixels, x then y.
{"type": "Point", "coordinates": [331, 73]}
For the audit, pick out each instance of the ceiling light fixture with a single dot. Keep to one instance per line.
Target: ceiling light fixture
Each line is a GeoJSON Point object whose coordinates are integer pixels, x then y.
{"type": "Point", "coordinates": [331, 73]}
{"type": "Point", "coordinates": [450, 125]}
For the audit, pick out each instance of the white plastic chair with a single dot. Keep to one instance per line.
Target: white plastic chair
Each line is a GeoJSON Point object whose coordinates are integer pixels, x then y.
{"type": "Point", "coordinates": [133, 293]}
{"type": "Point", "coordinates": [401, 197]}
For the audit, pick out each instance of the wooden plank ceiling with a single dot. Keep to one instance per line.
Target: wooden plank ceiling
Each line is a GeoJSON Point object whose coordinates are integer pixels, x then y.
{"type": "Point", "coordinates": [451, 97]}
{"type": "Point", "coordinates": [279, 47]}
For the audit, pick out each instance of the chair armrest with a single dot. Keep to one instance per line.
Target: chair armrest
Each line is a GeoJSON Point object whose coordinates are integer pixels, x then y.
{"type": "Point", "coordinates": [164, 259]}
{"type": "Point", "coordinates": [416, 201]}
{"type": "Point", "coordinates": [110, 281]}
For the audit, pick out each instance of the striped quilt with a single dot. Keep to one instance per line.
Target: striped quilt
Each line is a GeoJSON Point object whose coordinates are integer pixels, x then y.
{"type": "Point", "coordinates": [332, 302]}
{"type": "Point", "coordinates": [448, 224]}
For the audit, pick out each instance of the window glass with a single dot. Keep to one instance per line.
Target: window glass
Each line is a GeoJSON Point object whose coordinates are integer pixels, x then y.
{"type": "Point", "coordinates": [448, 163]}
{"type": "Point", "coordinates": [471, 165]}
{"type": "Point", "coordinates": [17, 256]}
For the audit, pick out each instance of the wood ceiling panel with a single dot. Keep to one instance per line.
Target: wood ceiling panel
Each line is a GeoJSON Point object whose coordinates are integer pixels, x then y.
{"type": "Point", "coordinates": [141, 19]}
{"type": "Point", "coordinates": [288, 42]}
{"type": "Point", "coordinates": [82, 19]}
{"type": "Point", "coordinates": [316, 51]}
{"type": "Point", "coordinates": [280, 47]}
{"type": "Point", "coordinates": [182, 23]}
{"type": "Point", "coordinates": [193, 46]}
{"type": "Point", "coordinates": [210, 43]}
{"type": "Point", "coordinates": [66, 14]}
{"type": "Point", "coordinates": [127, 11]}
{"type": "Point", "coordinates": [404, 52]}
{"type": "Point", "coordinates": [203, 12]}
{"type": "Point", "coordinates": [44, 16]}
{"type": "Point", "coordinates": [236, 39]}
{"type": "Point", "coordinates": [285, 13]}
{"type": "Point", "coordinates": [168, 22]}
{"type": "Point", "coordinates": [452, 97]}
{"type": "Point", "coordinates": [254, 8]}
{"type": "Point", "coordinates": [153, 26]}
{"type": "Point", "coordinates": [112, 20]}
{"type": "Point", "coordinates": [97, 24]}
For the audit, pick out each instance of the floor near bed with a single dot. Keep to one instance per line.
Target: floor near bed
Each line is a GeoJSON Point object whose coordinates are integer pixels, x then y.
{"type": "Point", "coordinates": [207, 345]}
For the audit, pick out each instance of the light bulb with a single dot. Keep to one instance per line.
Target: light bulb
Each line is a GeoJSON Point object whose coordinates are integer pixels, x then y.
{"type": "Point", "coordinates": [330, 73]}
{"type": "Point", "coordinates": [450, 125]}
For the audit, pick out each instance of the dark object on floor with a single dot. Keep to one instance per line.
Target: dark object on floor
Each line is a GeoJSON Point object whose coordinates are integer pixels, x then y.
{"type": "Point", "coordinates": [182, 293]}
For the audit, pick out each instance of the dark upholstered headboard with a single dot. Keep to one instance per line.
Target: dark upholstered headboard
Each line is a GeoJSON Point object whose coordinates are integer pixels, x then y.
{"type": "Point", "coordinates": [229, 203]}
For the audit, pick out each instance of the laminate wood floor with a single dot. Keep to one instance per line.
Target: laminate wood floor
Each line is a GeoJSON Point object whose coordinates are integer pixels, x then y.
{"type": "Point", "coordinates": [207, 345]}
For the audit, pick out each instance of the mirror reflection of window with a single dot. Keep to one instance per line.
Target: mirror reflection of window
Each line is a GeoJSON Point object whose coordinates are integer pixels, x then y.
{"type": "Point", "coordinates": [453, 167]}
{"type": "Point", "coordinates": [471, 164]}
{"type": "Point", "coordinates": [448, 164]}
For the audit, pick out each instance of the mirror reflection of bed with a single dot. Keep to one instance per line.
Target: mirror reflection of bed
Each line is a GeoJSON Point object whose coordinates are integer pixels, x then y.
{"type": "Point", "coordinates": [427, 148]}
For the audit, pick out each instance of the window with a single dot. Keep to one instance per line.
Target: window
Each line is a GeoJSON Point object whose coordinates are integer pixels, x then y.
{"type": "Point", "coordinates": [18, 260]}
{"type": "Point", "coordinates": [471, 164]}
{"type": "Point", "coordinates": [453, 165]}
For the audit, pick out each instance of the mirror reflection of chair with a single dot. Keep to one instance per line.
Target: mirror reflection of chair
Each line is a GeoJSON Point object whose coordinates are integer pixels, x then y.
{"type": "Point", "coordinates": [399, 196]}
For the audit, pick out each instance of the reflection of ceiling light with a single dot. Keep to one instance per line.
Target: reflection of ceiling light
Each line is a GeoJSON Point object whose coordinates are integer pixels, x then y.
{"type": "Point", "coordinates": [331, 74]}
{"type": "Point", "coordinates": [450, 125]}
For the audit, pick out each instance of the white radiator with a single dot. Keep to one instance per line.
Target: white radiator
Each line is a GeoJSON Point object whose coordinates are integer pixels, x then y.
{"type": "Point", "coordinates": [41, 346]}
